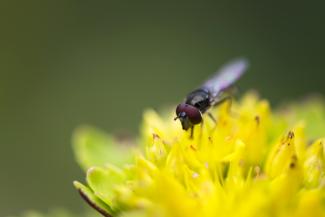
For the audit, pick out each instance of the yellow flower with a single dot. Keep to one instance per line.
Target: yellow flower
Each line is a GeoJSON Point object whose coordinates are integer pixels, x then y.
{"type": "Point", "coordinates": [253, 162]}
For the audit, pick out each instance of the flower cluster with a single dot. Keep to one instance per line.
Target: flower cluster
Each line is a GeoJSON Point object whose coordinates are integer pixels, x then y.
{"type": "Point", "coordinates": [252, 162]}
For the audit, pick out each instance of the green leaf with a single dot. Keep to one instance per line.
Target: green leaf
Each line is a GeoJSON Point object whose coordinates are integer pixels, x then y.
{"type": "Point", "coordinates": [93, 147]}
{"type": "Point", "coordinates": [88, 195]}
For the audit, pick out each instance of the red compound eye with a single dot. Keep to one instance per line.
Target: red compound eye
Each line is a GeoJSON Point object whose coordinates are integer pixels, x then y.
{"type": "Point", "coordinates": [192, 113]}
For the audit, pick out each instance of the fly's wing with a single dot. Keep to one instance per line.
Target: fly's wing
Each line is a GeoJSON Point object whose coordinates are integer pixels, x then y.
{"type": "Point", "coordinates": [226, 76]}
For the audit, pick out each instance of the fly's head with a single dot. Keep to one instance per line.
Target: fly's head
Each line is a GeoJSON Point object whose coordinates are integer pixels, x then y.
{"type": "Point", "coordinates": [188, 115]}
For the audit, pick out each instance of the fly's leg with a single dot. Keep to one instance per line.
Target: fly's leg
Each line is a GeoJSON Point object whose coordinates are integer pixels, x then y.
{"type": "Point", "coordinates": [192, 132]}
{"type": "Point", "coordinates": [201, 130]}
{"type": "Point", "coordinates": [219, 102]}
{"type": "Point", "coordinates": [224, 96]}
{"type": "Point", "coordinates": [228, 99]}
{"type": "Point", "coordinates": [227, 96]}
{"type": "Point", "coordinates": [212, 117]}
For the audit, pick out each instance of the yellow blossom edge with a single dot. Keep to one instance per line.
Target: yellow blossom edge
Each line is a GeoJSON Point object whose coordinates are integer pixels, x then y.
{"type": "Point", "coordinates": [253, 162]}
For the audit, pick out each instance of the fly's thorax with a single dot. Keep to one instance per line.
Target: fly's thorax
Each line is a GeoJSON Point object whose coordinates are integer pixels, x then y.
{"type": "Point", "coordinates": [200, 99]}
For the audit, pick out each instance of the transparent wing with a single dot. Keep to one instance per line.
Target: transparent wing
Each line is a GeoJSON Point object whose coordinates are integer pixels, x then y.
{"type": "Point", "coordinates": [226, 76]}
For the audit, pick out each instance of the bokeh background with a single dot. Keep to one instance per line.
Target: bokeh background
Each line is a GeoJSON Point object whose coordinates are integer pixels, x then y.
{"type": "Point", "coordinates": [66, 63]}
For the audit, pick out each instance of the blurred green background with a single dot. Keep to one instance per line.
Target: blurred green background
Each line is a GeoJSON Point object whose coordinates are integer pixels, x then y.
{"type": "Point", "coordinates": [66, 63]}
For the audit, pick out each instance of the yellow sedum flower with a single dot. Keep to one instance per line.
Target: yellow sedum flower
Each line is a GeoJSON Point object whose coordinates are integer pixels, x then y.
{"type": "Point", "coordinates": [251, 163]}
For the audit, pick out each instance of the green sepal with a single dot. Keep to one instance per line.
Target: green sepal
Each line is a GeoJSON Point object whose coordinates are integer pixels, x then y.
{"type": "Point", "coordinates": [88, 195]}
{"type": "Point", "coordinates": [93, 147]}
{"type": "Point", "coordinates": [103, 180]}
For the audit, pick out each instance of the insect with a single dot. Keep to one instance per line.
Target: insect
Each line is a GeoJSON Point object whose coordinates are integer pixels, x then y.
{"type": "Point", "coordinates": [213, 92]}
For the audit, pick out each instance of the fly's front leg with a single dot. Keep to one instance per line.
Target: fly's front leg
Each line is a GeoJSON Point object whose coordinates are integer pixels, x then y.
{"type": "Point", "coordinates": [201, 130]}
{"type": "Point", "coordinates": [192, 132]}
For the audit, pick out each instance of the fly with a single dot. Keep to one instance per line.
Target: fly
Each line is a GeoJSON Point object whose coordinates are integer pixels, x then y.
{"type": "Point", "coordinates": [213, 92]}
